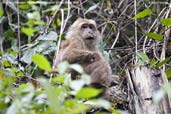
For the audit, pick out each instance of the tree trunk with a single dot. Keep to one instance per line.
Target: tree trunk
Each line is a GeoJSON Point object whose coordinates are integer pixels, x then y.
{"type": "Point", "coordinates": [143, 83]}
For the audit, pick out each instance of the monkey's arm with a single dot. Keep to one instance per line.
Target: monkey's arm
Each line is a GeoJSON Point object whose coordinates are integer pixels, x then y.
{"type": "Point", "coordinates": [78, 56]}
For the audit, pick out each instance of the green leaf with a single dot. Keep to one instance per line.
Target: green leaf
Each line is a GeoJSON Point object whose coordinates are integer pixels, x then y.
{"type": "Point", "coordinates": [2, 76]}
{"type": "Point", "coordinates": [153, 63]}
{"type": "Point", "coordinates": [144, 57]}
{"type": "Point", "coordinates": [99, 103]}
{"type": "Point", "coordinates": [1, 12]}
{"type": "Point", "coordinates": [6, 63]}
{"type": "Point", "coordinates": [25, 88]}
{"type": "Point", "coordinates": [41, 23]}
{"type": "Point", "coordinates": [143, 13]}
{"type": "Point", "coordinates": [20, 74]}
{"type": "Point", "coordinates": [58, 22]}
{"type": "Point", "coordinates": [55, 96]}
{"type": "Point", "coordinates": [154, 35]}
{"type": "Point", "coordinates": [8, 81]}
{"type": "Point", "coordinates": [24, 6]}
{"type": "Point", "coordinates": [166, 21]}
{"type": "Point", "coordinates": [31, 2]}
{"type": "Point", "coordinates": [58, 79]}
{"type": "Point", "coordinates": [116, 112]}
{"type": "Point", "coordinates": [74, 107]}
{"type": "Point", "coordinates": [162, 62]}
{"type": "Point", "coordinates": [34, 15]}
{"type": "Point", "coordinates": [41, 61]}
{"type": "Point", "coordinates": [88, 92]}
{"type": "Point", "coordinates": [168, 73]}
{"type": "Point", "coordinates": [28, 31]}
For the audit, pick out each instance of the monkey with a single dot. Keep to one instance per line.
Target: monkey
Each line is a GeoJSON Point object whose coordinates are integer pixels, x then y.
{"type": "Point", "coordinates": [81, 46]}
{"type": "Point", "coordinates": [99, 70]}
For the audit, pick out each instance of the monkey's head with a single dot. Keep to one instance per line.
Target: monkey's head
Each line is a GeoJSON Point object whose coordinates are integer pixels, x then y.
{"type": "Point", "coordinates": [85, 29]}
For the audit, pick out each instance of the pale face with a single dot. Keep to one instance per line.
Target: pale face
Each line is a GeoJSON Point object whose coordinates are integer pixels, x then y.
{"type": "Point", "coordinates": [87, 30]}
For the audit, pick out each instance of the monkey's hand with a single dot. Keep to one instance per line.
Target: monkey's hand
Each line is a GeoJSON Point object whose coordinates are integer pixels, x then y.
{"type": "Point", "coordinates": [92, 57]}
{"type": "Point", "coordinates": [80, 56]}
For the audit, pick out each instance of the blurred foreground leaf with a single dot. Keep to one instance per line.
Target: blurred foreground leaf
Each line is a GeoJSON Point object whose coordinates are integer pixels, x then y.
{"type": "Point", "coordinates": [28, 31]}
{"type": "Point", "coordinates": [41, 61]}
{"type": "Point", "coordinates": [1, 12]}
{"type": "Point", "coordinates": [88, 92]}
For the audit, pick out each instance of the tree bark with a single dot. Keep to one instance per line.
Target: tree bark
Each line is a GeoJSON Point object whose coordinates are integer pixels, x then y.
{"type": "Point", "coordinates": [143, 83]}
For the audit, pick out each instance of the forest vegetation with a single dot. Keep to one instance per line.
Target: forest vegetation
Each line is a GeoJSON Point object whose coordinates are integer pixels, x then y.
{"type": "Point", "coordinates": [136, 42]}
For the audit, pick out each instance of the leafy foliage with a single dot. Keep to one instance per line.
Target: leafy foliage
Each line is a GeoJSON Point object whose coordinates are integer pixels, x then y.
{"type": "Point", "coordinates": [46, 99]}
{"type": "Point", "coordinates": [143, 57]}
{"type": "Point", "coordinates": [168, 72]}
{"type": "Point", "coordinates": [29, 40]}
{"type": "Point", "coordinates": [143, 14]}
{"type": "Point", "coordinates": [41, 61]}
{"type": "Point", "coordinates": [87, 93]}
{"type": "Point", "coordinates": [166, 21]}
{"type": "Point", "coordinates": [154, 36]}
{"type": "Point", "coordinates": [163, 62]}
{"type": "Point", "coordinates": [23, 87]}
{"type": "Point", "coordinates": [1, 12]}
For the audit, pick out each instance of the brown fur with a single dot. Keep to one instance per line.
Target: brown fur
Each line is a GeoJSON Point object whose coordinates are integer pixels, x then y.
{"type": "Point", "coordinates": [81, 46]}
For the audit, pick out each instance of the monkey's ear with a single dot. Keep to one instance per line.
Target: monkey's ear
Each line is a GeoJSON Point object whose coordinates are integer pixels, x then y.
{"type": "Point", "coordinates": [76, 23]}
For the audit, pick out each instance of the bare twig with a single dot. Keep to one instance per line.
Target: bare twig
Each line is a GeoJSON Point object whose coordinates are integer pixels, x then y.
{"type": "Point", "coordinates": [117, 37]}
{"type": "Point", "coordinates": [81, 5]}
{"type": "Point", "coordinates": [53, 18]}
{"type": "Point", "coordinates": [18, 30]}
{"type": "Point", "coordinates": [1, 31]}
{"type": "Point", "coordinates": [167, 101]}
{"type": "Point", "coordinates": [154, 23]}
{"type": "Point", "coordinates": [136, 44]}
{"type": "Point", "coordinates": [63, 25]}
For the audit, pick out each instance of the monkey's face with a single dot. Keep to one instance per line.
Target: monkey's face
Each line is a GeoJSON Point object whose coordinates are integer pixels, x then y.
{"type": "Point", "coordinates": [87, 30]}
{"type": "Point", "coordinates": [89, 33]}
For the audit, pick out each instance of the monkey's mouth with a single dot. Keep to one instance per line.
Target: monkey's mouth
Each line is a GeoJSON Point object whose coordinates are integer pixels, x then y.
{"type": "Point", "coordinates": [90, 38]}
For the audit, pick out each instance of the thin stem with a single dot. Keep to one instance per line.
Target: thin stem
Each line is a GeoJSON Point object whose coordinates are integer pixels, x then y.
{"type": "Point", "coordinates": [18, 30]}
{"type": "Point", "coordinates": [136, 43]}
{"type": "Point", "coordinates": [117, 37]}
{"type": "Point", "coordinates": [63, 24]}
{"type": "Point", "coordinates": [1, 31]}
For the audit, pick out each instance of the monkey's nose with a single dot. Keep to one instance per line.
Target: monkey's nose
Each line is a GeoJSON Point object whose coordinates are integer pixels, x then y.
{"type": "Point", "coordinates": [90, 32]}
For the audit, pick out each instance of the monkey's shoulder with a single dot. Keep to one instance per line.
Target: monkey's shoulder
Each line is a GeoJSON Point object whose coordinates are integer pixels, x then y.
{"type": "Point", "coordinates": [73, 44]}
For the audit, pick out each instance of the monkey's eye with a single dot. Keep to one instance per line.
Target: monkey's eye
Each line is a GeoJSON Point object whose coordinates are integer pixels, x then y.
{"type": "Point", "coordinates": [85, 26]}
{"type": "Point", "coordinates": [91, 26]}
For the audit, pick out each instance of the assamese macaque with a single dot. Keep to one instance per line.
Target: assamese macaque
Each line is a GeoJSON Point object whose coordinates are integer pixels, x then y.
{"type": "Point", "coordinates": [81, 46]}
